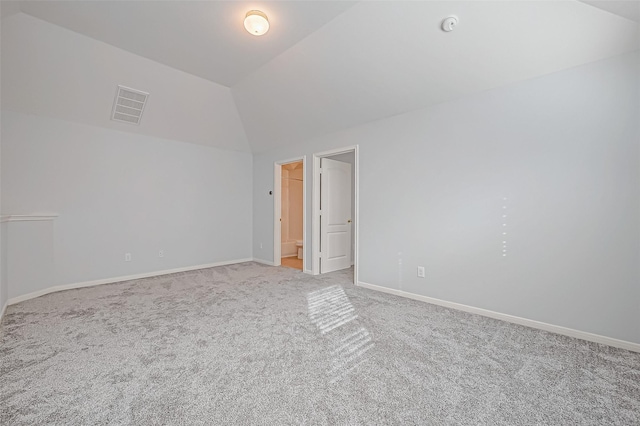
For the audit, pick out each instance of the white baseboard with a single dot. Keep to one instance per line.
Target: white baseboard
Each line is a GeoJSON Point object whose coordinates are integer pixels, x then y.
{"type": "Point", "coordinates": [3, 310]}
{"type": "Point", "coordinates": [596, 338]}
{"type": "Point", "coordinates": [53, 289]}
{"type": "Point", "coordinates": [266, 262]}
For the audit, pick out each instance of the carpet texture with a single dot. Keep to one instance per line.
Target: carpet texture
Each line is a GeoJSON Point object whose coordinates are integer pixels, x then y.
{"type": "Point", "coordinates": [253, 344]}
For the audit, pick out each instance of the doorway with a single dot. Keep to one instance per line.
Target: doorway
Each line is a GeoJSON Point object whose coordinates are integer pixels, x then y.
{"type": "Point", "coordinates": [335, 202]}
{"type": "Point", "coordinates": [289, 213]}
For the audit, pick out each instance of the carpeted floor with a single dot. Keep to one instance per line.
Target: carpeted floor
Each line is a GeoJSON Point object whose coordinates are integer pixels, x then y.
{"type": "Point", "coordinates": [253, 344]}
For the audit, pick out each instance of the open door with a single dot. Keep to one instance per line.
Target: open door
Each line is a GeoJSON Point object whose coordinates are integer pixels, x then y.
{"type": "Point", "coordinates": [335, 215]}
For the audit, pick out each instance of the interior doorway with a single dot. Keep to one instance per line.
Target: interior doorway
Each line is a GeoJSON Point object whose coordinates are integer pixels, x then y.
{"type": "Point", "coordinates": [335, 201]}
{"type": "Point", "coordinates": [289, 213]}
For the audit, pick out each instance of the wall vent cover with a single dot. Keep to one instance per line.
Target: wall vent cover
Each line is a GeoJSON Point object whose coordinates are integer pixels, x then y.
{"type": "Point", "coordinates": [128, 105]}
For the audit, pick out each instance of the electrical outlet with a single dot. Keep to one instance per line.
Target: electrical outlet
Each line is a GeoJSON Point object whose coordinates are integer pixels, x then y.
{"type": "Point", "coordinates": [420, 271]}
{"type": "Point", "coordinates": [127, 257]}
{"type": "Point", "coordinates": [161, 253]}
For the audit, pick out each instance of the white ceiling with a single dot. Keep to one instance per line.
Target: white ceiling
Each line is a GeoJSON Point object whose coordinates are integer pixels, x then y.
{"type": "Point", "coordinates": [8, 8]}
{"type": "Point", "coordinates": [629, 9]}
{"type": "Point", "coordinates": [203, 38]}
{"type": "Point", "coordinates": [326, 66]}
{"type": "Point", "coordinates": [50, 71]}
{"type": "Point", "coordinates": [380, 59]}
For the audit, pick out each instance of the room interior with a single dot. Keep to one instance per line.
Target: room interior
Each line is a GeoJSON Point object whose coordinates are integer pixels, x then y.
{"type": "Point", "coordinates": [291, 224]}
{"type": "Point", "coordinates": [495, 212]}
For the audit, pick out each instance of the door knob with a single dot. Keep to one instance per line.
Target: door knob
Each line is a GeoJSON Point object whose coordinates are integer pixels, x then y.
{"type": "Point", "coordinates": [349, 221]}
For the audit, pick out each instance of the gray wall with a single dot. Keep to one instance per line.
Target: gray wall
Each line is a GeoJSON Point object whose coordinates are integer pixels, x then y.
{"type": "Point", "coordinates": [562, 148]}
{"type": "Point", "coordinates": [119, 192]}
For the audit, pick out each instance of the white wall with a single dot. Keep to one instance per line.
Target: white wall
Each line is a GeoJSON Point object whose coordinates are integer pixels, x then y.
{"type": "Point", "coordinates": [563, 148]}
{"type": "Point", "coordinates": [29, 256]}
{"type": "Point", "coordinates": [53, 72]}
{"type": "Point", "coordinates": [118, 192]}
{"type": "Point", "coordinates": [179, 182]}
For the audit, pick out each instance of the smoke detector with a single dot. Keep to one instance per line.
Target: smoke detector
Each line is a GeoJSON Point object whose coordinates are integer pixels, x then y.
{"type": "Point", "coordinates": [128, 105]}
{"type": "Point", "coordinates": [449, 23]}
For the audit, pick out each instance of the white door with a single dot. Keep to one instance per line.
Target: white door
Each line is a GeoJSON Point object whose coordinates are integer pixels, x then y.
{"type": "Point", "coordinates": [335, 215]}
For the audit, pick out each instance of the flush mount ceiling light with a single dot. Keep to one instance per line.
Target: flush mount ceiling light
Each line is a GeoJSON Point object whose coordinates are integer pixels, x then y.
{"type": "Point", "coordinates": [256, 22]}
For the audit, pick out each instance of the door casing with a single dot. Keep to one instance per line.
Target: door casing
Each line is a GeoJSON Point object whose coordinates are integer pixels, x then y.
{"type": "Point", "coordinates": [277, 210]}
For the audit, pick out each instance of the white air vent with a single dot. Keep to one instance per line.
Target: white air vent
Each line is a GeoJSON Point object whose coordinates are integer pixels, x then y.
{"type": "Point", "coordinates": [128, 105]}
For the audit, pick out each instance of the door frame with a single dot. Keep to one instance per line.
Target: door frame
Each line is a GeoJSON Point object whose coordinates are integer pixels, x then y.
{"type": "Point", "coordinates": [277, 209]}
{"type": "Point", "coordinates": [315, 208]}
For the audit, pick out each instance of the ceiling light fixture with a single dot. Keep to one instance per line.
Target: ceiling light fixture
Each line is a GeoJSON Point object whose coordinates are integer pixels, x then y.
{"type": "Point", "coordinates": [256, 22]}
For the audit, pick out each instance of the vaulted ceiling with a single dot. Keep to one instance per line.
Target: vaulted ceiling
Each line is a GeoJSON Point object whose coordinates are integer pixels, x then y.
{"type": "Point", "coordinates": [329, 65]}
{"type": "Point", "coordinates": [203, 38]}
{"type": "Point", "coordinates": [629, 9]}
